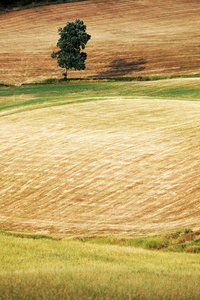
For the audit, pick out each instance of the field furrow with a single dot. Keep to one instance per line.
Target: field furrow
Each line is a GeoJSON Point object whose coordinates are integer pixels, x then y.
{"type": "Point", "coordinates": [129, 38]}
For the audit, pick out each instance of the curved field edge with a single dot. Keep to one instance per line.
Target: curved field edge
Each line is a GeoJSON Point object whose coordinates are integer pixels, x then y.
{"type": "Point", "coordinates": [182, 240]}
{"type": "Point", "coordinates": [30, 97]}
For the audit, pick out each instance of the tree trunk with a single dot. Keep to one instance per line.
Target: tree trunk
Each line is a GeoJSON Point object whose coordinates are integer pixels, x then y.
{"type": "Point", "coordinates": [65, 74]}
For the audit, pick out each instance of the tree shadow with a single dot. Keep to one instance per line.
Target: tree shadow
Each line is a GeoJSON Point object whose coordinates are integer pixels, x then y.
{"type": "Point", "coordinates": [121, 67]}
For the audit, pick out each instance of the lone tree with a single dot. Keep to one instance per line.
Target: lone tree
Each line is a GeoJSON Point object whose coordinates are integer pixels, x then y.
{"type": "Point", "coordinates": [72, 41]}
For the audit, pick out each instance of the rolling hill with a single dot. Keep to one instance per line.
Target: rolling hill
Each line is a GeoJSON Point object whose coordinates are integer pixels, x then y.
{"type": "Point", "coordinates": [101, 157]}
{"type": "Point", "coordinates": [129, 38]}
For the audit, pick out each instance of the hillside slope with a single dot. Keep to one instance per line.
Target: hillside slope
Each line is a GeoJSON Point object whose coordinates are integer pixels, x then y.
{"type": "Point", "coordinates": [129, 38]}
{"type": "Point", "coordinates": [109, 161]}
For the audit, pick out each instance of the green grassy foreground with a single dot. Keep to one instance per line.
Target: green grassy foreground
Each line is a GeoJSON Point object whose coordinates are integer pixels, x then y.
{"type": "Point", "coordinates": [69, 269]}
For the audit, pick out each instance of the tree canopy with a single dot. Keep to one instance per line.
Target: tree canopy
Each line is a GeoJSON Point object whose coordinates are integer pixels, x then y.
{"type": "Point", "coordinates": [73, 38]}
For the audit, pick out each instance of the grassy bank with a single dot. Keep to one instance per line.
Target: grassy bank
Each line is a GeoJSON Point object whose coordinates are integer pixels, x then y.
{"type": "Point", "coordinates": [43, 95]}
{"type": "Point", "coordinates": [185, 240]}
{"type": "Point", "coordinates": [68, 269]}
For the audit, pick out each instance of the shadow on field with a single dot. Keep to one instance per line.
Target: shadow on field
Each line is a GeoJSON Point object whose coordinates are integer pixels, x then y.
{"type": "Point", "coordinates": [121, 67]}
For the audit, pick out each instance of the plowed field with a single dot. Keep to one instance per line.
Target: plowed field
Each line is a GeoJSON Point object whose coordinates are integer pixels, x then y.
{"type": "Point", "coordinates": [129, 38]}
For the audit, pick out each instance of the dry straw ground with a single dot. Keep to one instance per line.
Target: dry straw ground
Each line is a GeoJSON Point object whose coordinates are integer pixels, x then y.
{"type": "Point", "coordinates": [117, 166]}
{"type": "Point", "coordinates": [120, 165]}
{"type": "Point", "coordinates": [129, 38]}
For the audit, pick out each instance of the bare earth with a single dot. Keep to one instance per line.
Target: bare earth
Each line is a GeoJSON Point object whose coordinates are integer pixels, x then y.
{"type": "Point", "coordinates": [117, 166]}
{"type": "Point", "coordinates": [129, 38]}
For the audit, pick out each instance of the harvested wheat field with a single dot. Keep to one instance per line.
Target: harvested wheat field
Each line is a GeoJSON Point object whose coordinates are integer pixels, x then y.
{"type": "Point", "coordinates": [106, 165]}
{"type": "Point", "coordinates": [129, 38]}
{"type": "Point", "coordinates": [101, 157]}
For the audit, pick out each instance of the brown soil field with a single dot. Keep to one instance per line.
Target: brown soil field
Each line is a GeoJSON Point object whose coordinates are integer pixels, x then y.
{"type": "Point", "coordinates": [118, 166]}
{"type": "Point", "coordinates": [129, 38]}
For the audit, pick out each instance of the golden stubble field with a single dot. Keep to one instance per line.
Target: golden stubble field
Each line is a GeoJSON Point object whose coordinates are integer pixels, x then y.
{"type": "Point", "coordinates": [118, 166]}
{"type": "Point", "coordinates": [129, 38]}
